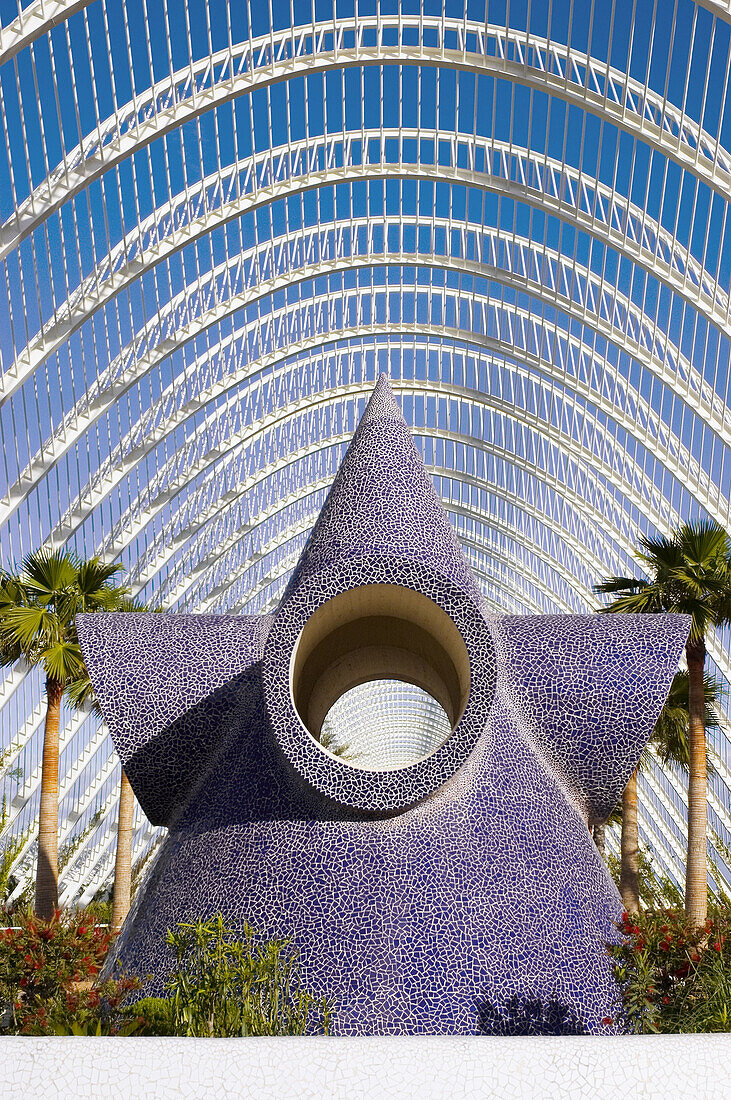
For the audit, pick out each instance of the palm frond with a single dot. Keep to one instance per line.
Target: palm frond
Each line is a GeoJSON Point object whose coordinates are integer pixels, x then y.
{"type": "Point", "coordinates": [659, 553]}
{"type": "Point", "coordinates": [670, 736]}
{"type": "Point", "coordinates": [48, 572]}
{"type": "Point", "coordinates": [626, 585]}
{"type": "Point", "coordinates": [12, 592]}
{"type": "Point", "coordinates": [10, 651]}
{"type": "Point", "coordinates": [29, 627]}
{"type": "Point", "coordinates": [689, 574]}
{"type": "Point", "coordinates": [647, 599]}
{"type": "Point", "coordinates": [81, 695]}
{"type": "Point", "coordinates": [702, 541]}
{"type": "Point", "coordinates": [94, 575]}
{"type": "Point", "coordinates": [63, 661]}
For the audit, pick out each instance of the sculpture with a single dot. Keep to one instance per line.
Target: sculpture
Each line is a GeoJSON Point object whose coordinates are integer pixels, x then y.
{"type": "Point", "coordinates": [460, 893]}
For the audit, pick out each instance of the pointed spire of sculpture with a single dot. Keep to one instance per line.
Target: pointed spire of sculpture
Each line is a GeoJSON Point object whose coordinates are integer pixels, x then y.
{"type": "Point", "coordinates": [383, 505]}
{"type": "Point", "coordinates": [382, 405]}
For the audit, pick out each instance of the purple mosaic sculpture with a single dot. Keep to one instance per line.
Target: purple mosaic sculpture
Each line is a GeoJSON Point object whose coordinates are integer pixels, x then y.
{"type": "Point", "coordinates": [459, 894]}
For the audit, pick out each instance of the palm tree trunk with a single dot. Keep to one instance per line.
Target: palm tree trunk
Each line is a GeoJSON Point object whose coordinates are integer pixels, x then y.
{"type": "Point", "coordinates": [47, 866]}
{"type": "Point", "coordinates": [629, 877]}
{"type": "Point", "coordinates": [599, 833]}
{"type": "Point", "coordinates": [696, 869]}
{"type": "Point", "coordinates": [123, 863]}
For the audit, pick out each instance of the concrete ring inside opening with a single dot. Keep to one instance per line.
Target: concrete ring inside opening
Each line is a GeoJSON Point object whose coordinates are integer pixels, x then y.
{"type": "Point", "coordinates": [378, 632]}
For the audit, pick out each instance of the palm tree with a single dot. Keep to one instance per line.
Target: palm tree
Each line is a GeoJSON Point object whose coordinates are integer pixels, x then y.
{"type": "Point", "coordinates": [81, 695]}
{"type": "Point", "coordinates": [690, 574]}
{"type": "Point", "coordinates": [670, 742]}
{"type": "Point", "coordinates": [37, 610]}
{"type": "Point", "coordinates": [629, 860]}
{"type": "Point", "coordinates": [123, 861]}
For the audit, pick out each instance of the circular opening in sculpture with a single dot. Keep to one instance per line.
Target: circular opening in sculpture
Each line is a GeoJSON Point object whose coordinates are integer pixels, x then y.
{"type": "Point", "coordinates": [380, 634]}
{"type": "Point", "coordinates": [384, 724]}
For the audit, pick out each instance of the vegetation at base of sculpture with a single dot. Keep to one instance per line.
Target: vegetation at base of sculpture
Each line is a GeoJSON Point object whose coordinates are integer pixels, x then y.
{"type": "Point", "coordinates": [674, 977]}
{"type": "Point", "coordinates": [49, 978]}
{"type": "Point", "coordinates": [690, 574]}
{"type": "Point", "coordinates": [226, 985]}
{"type": "Point", "coordinates": [223, 984]}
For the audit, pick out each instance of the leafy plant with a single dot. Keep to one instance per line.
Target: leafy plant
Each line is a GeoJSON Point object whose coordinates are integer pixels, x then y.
{"type": "Point", "coordinates": [674, 977]}
{"type": "Point", "coordinates": [48, 971]}
{"type": "Point", "coordinates": [229, 985]}
{"type": "Point", "coordinates": [152, 1016]}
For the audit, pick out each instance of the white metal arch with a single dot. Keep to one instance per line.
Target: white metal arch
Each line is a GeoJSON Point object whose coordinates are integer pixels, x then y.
{"type": "Point", "coordinates": [78, 513]}
{"type": "Point", "coordinates": [81, 420]}
{"type": "Point", "coordinates": [176, 481]}
{"type": "Point", "coordinates": [591, 284]}
{"type": "Point", "coordinates": [205, 205]}
{"type": "Point", "coordinates": [552, 67]}
{"type": "Point", "coordinates": [602, 308]}
{"type": "Point", "coordinates": [200, 568]}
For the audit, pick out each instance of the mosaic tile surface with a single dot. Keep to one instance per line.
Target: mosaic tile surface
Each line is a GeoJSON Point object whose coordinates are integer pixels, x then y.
{"type": "Point", "coordinates": [461, 894]}
{"type": "Point", "coordinates": [583, 1068]}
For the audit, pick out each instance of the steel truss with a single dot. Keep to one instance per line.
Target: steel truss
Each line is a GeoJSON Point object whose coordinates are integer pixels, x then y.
{"type": "Point", "coordinates": [207, 269]}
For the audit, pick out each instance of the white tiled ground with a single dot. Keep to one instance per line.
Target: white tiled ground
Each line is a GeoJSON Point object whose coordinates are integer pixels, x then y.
{"type": "Point", "coordinates": [646, 1068]}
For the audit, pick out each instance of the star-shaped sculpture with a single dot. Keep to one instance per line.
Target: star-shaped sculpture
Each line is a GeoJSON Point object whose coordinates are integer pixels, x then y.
{"type": "Point", "coordinates": [458, 893]}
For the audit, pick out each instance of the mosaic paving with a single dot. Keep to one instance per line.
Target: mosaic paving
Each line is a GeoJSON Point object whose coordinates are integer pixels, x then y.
{"type": "Point", "coordinates": [461, 894]}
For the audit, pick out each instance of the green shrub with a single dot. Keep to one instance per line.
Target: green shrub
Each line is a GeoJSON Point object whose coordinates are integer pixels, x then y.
{"type": "Point", "coordinates": [223, 984]}
{"type": "Point", "coordinates": [152, 1016]}
{"type": "Point", "coordinates": [672, 978]}
{"type": "Point", "coordinates": [49, 977]}
{"type": "Point", "coordinates": [227, 985]}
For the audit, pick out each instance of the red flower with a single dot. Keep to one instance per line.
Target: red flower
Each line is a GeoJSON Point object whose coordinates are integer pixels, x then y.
{"type": "Point", "coordinates": [695, 957]}
{"type": "Point", "coordinates": [664, 946]}
{"type": "Point", "coordinates": [28, 960]}
{"type": "Point", "coordinates": [666, 1000]}
{"type": "Point", "coordinates": [23, 983]}
{"type": "Point", "coordinates": [607, 1021]}
{"type": "Point", "coordinates": [717, 946]}
{"type": "Point", "coordinates": [81, 930]}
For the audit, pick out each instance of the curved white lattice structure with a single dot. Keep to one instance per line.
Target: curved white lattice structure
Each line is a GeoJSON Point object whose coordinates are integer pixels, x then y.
{"type": "Point", "coordinates": [220, 221]}
{"type": "Point", "coordinates": [385, 724]}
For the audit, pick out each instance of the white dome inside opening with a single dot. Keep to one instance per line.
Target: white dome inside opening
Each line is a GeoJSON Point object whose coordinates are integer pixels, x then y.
{"type": "Point", "coordinates": [384, 724]}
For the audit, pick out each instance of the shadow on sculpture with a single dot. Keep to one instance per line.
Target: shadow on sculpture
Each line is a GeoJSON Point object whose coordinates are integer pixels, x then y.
{"type": "Point", "coordinates": [529, 1016]}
